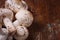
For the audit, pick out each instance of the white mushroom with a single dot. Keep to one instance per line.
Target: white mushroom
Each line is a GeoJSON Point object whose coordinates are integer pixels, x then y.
{"type": "Point", "coordinates": [6, 13]}
{"type": "Point", "coordinates": [3, 34]}
{"type": "Point", "coordinates": [24, 17]}
{"type": "Point", "coordinates": [15, 5]}
{"type": "Point", "coordinates": [9, 25]}
{"type": "Point", "coordinates": [22, 33]}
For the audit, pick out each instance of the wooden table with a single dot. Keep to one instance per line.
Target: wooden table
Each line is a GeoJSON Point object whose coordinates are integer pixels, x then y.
{"type": "Point", "coordinates": [44, 12]}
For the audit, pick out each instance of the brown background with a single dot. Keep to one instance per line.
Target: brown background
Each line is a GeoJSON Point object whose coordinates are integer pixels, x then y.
{"type": "Point", "coordinates": [44, 12]}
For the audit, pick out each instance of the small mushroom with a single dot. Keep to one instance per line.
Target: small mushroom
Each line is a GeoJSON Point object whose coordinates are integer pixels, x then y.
{"type": "Point", "coordinates": [9, 25]}
{"type": "Point", "coordinates": [3, 34]}
{"type": "Point", "coordinates": [24, 17]}
{"type": "Point", "coordinates": [22, 33]}
{"type": "Point", "coordinates": [15, 5]}
{"type": "Point", "coordinates": [4, 12]}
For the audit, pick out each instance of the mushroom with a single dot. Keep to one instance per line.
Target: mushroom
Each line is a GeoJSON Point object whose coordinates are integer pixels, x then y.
{"type": "Point", "coordinates": [22, 33]}
{"type": "Point", "coordinates": [4, 12]}
{"type": "Point", "coordinates": [24, 17]}
{"type": "Point", "coordinates": [9, 25]}
{"type": "Point", "coordinates": [7, 16]}
{"type": "Point", "coordinates": [15, 5]}
{"type": "Point", "coordinates": [3, 34]}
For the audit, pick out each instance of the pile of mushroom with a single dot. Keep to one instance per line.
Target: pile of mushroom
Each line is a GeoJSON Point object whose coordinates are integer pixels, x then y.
{"type": "Point", "coordinates": [14, 20]}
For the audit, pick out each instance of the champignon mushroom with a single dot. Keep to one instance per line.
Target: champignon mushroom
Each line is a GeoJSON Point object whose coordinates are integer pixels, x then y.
{"type": "Point", "coordinates": [22, 33]}
{"type": "Point", "coordinates": [15, 5]}
{"type": "Point", "coordinates": [3, 34]}
{"type": "Point", "coordinates": [9, 25]}
{"type": "Point", "coordinates": [24, 17]}
{"type": "Point", "coordinates": [4, 12]}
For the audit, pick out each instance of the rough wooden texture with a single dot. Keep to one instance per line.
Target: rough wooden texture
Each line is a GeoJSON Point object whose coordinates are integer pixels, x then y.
{"type": "Point", "coordinates": [44, 12]}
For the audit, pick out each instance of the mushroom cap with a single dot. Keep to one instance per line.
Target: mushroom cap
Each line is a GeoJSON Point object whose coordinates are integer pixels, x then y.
{"type": "Point", "coordinates": [4, 12]}
{"type": "Point", "coordinates": [3, 34]}
{"type": "Point", "coordinates": [22, 33]}
{"type": "Point", "coordinates": [24, 17]}
{"type": "Point", "coordinates": [15, 5]}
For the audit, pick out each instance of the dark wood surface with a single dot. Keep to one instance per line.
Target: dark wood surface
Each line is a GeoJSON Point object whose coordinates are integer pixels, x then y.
{"type": "Point", "coordinates": [44, 12]}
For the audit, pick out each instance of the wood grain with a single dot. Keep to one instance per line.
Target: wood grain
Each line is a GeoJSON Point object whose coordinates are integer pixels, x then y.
{"type": "Point", "coordinates": [44, 12]}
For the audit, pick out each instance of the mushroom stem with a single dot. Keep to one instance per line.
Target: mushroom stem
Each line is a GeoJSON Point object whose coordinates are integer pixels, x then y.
{"type": "Point", "coordinates": [16, 23]}
{"type": "Point", "coordinates": [9, 25]}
